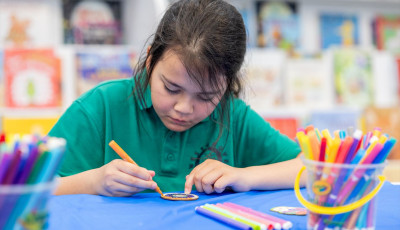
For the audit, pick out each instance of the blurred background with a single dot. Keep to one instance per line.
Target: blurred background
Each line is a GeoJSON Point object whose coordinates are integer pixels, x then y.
{"type": "Point", "coordinates": [334, 64]}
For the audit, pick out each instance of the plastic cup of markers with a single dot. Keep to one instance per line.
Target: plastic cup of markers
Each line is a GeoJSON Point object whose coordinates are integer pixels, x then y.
{"type": "Point", "coordinates": [340, 196]}
{"type": "Point", "coordinates": [25, 206]}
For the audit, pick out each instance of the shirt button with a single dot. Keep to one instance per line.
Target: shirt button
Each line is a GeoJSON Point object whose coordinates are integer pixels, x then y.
{"type": "Point", "coordinates": [170, 157]}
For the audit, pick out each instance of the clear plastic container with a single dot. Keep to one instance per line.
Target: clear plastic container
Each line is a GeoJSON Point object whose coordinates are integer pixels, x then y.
{"type": "Point", "coordinates": [340, 196]}
{"type": "Point", "coordinates": [25, 206]}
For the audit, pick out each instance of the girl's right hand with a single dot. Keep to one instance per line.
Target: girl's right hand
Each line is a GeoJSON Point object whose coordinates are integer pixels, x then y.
{"type": "Point", "coordinates": [121, 178]}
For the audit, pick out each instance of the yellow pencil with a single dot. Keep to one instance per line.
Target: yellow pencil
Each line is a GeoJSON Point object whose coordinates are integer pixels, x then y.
{"type": "Point", "coordinates": [126, 157]}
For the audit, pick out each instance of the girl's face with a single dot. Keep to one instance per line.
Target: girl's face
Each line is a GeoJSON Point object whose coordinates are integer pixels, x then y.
{"type": "Point", "coordinates": [177, 100]}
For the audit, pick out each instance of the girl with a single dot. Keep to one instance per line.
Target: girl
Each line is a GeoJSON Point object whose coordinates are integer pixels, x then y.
{"type": "Point", "coordinates": [179, 118]}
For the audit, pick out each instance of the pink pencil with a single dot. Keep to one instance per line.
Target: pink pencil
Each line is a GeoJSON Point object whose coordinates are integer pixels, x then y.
{"type": "Point", "coordinates": [284, 223]}
{"type": "Point", "coordinates": [268, 223]}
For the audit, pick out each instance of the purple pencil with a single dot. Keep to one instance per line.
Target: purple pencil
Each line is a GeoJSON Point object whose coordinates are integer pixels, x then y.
{"type": "Point", "coordinates": [223, 219]}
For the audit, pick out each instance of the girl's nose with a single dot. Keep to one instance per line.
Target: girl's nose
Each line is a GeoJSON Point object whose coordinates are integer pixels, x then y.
{"type": "Point", "coordinates": [184, 105]}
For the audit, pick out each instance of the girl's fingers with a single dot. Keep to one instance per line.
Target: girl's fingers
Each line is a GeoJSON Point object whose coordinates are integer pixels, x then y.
{"type": "Point", "coordinates": [189, 184]}
{"type": "Point", "coordinates": [208, 181]}
{"type": "Point", "coordinates": [190, 179]}
{"type": "Point", "coordinates": [135, 170]}
{"type": "Point", "coordinates": [221, 184]}
{"type": "Point", "coordinates": [132, 181]}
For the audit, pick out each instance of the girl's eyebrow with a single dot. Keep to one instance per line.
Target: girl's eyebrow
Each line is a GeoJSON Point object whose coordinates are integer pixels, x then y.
{"type": "Point", "coordinates": [178, 86]}
{"type": "Point", "coordinates": [169, 82]}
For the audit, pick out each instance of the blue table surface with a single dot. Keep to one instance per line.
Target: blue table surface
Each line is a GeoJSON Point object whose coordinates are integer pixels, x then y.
{"type": "Point", "coordinates": [149, 211]}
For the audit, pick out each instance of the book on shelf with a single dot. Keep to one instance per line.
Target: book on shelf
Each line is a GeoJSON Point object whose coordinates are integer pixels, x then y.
{"type": "Point", "coordinates": [32, 78]}
{"type": "Point", "coordinates": [278, 24]}
{"type": "Point", "coordinates": [92, 22]}
{"type": "Point", "coordinates": [308, 83]}
{"type": "Point", "coordinates": [28, 125]}
{"type": "Point", "coordinates": [245, 8]}
{"type": "Point", "coordinates": [398, 76]}
{"type": "Point", "coordinates": [388, 120]}
{"type": "Point", "coordinates": [387, 32]}
{"type": "Point", "coordinates": [285, 125]}
{"type": "Point", "coordinates": [338, 29]}
{"type": "Point", "coordinates": [1, 78]}
{"type": "Point", "coordinates": [26, 24]}
{"type": "Point", "coordinates": [385, 79]}
{"type": "Point", "coordinates": [263, 78]}
{"type": "Point", "coordinates": [353, 78]}
{"type": "Point", "coordinates": [95, 66]}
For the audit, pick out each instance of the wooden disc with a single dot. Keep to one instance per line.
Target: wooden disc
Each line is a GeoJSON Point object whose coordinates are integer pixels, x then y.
{"type": "Point", "coordinates": [179, 196]}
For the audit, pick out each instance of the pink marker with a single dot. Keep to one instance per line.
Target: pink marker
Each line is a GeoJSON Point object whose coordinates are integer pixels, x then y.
{"type": "Point", "coordinates": [284, 223]}
{"type": "Point", "coordinates": [268, 223]}
{"type": "Point", "coordinates": [357, 174]}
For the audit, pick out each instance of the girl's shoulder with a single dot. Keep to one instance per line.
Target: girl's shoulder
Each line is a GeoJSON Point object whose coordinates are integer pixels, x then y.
{"type": "Point", "coordinates": [239, 106]}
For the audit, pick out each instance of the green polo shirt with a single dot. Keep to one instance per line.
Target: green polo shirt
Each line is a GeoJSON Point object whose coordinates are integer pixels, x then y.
{"type": "Point", "coordinates": [110, 111]}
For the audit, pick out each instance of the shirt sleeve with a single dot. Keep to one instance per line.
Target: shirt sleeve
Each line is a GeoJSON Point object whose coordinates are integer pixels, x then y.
{"type": "Point", "coordinates": [82, 133]}
{"type": "Point", "coordinates": [257, 142]}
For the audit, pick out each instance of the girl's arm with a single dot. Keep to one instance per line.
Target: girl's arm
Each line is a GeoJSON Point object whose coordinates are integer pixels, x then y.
{"type": "Point", "coordinates": [117, 178]}
{"type": "Point", "coordinates": [214, 176]}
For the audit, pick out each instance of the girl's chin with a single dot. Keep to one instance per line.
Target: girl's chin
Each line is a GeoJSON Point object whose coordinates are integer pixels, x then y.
{"type": "Point", "coordinates": [177, 128]}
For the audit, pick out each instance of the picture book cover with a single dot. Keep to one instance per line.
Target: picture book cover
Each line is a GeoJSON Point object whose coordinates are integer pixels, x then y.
{"type": "Point", "coordinates": [277, 24]}
{"type": "Point", "coordinates": [353, 79]}
{"type": "Point", "coordinates": [388, 33]}
{"type": "Point", "coordinates": [388, 119]}
{"type": "Point", "coordinates": [285, 125]}
{"type": "Point", "coordinates": [263, 77]}
{"type": "Point", "coordinates": [25, 23]}
{"type": "Point", "coordinates": [335, 119]}
{"type": "Point", "coordinates": [92, 22]}
{"type": "Point", "coordinates": [398, 75]}
{"type": "Point", "coordinates": [94, 67]}
{"type": "Point", "coordinates": [28, 125]}
{"type": "Point", "coordinates": [32, 79]}
{"type": "Point", "coordinates": [338, 29]}
{"type": "Point", "coordinates": [245, 8]}
{"type": "Point", "coordinates": [1, 78]}
{"type": "Point", "coordinates": [307, 83]}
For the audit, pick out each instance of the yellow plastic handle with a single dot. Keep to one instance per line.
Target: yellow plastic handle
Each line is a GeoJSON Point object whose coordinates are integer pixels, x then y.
{"type": "Point", "coordinates": [334, 210]}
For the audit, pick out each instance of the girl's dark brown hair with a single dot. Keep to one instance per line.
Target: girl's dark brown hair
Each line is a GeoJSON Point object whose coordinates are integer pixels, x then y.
{"type": "Point", "coordinates": [209, 37]}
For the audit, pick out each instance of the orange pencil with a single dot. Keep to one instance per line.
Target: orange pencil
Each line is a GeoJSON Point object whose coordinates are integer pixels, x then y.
{"type": "Point", "coordinates": [126, 157]}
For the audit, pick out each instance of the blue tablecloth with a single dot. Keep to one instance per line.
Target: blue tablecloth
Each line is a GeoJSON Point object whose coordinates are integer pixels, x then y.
{"type": "Point", "coordinates": [149, 211]}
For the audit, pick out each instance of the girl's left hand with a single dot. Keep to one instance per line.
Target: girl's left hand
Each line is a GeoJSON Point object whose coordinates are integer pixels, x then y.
{"type": "Point", "coordinates": [214, 176]}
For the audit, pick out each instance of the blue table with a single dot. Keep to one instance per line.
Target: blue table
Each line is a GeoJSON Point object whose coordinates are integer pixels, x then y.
{"type": "Point", "coordinates": [149, 211]}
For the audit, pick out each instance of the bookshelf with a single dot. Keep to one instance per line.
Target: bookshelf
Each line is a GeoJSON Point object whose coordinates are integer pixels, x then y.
{"type": "Point", "coordinates": [139, 19]}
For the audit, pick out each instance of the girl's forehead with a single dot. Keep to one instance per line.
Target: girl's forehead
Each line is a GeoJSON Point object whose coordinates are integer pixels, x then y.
{"type": "Point", "coordinates": [198, 72]}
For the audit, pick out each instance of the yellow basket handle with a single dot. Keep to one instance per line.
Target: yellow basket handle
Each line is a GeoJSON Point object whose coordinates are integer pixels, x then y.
{"type": "Point", "coordinates": [334, 210]}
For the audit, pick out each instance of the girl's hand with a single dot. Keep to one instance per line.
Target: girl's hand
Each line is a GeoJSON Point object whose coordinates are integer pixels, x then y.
{"type": "Point", "coordinates": [121, 178]}
{"type": "Point", "coordinates": [214, 176]}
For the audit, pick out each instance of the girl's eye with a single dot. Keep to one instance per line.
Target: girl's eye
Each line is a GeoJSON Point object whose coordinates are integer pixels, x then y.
{"type": "Point", "coordinates": [170, 90]}
{"type": "Point", "coordinates": [205, 99]}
